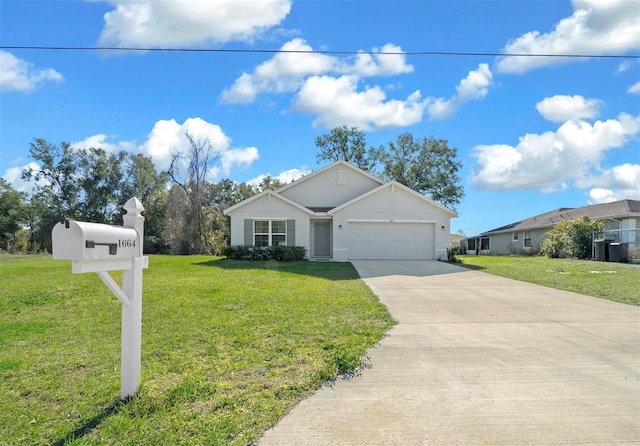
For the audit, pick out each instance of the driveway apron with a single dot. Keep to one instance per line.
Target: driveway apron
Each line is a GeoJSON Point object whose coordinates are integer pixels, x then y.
{"type": "Point", "coordinates": [477, 359]}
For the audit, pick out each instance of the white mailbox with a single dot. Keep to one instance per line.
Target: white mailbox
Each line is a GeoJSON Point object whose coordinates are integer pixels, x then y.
{"type": "Point", "coordinates": [75, 240]}
{"type": "Point", "coordinates": [98, 248]}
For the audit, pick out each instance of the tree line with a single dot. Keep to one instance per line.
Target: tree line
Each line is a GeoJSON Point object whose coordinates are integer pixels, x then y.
{"type": "Point", "coordinates": [183, 210]}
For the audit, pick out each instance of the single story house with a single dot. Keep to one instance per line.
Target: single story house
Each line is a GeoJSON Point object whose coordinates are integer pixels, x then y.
{"type": "Point", "coordinates": [621, 219]}
{"type": "Point", "coordinates": [342, 213]}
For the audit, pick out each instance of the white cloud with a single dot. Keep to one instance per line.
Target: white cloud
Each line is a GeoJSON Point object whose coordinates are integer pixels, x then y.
{"type": "Point", "coordinates": [20, 75]}
{"type": "Point", "coordinates": [562, 108]}
{"type": "Point", "coordinates": [240, 158]}
{"type": "Point", "coordinates": [13, 176]}
{"type": "Point", "coordinates": [286, 71]}
{"type": "Point", "coordinates": [285, 177]}
{"type": "Point", "coordinates": [595, 27]}
{"type": "Point", "coordinates": [616, 183]}
{"type": "Point", "coordinates": [635, 88]}
{"type": "Point", "coordinates": [168, 137]}
{"type": "Point", "coordinates": [337, 102]}
{"type": "Point", "coordinates": [99, 141]}
{"type": "Point", "coordinates": [544, 161]}
{"type": "Point", "coordinates": [328, 87]}
{"type": "Point", "coordinates": [367, 65]}
{"type": "Point", "coordinates": [184, 23]}
{"type": "Point", "coordinates": [474, 86]}
{"type": "Point", "coordinates": [624, 66]}
{"type": "Point", "coordinates": [283, 73]}
{"type": "Point", "coordinates": [599, 195]}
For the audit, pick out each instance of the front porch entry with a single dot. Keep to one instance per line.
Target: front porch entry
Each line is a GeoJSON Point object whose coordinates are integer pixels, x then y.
{"type": "Point", "coordinates": [321, 242]}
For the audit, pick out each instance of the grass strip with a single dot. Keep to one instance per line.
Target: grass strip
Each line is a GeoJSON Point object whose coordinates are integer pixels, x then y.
{"type": "Point", "coordinates": [618, 282]}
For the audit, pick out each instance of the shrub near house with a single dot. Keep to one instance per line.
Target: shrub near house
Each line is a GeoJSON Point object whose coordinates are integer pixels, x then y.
{"type": "Point", "coordinates": [276, 252]}
{"type": "Point", "coordinates": [571, 238]}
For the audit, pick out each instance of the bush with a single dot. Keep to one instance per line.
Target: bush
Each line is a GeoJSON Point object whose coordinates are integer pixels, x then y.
{"type": "Point", "coordinates": [571, 238]}
{"type": "Point", "coordinates": [451, 255]}
{"type": "Point", "coordinates": [280, 253]}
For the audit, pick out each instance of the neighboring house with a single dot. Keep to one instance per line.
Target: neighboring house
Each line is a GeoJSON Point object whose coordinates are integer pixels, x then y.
{"type": "Point", "coordinates": [455, 239]}
{"type": "Point", "coordinates": [621, 219]}
{"type": "Point", "coordinates": [343, 213]}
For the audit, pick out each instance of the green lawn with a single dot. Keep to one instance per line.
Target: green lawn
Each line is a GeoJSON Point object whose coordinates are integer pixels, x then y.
{"type": "Point", "coordinates": [228, 348]}
{"type": "Point", "coordinates": [618, 282]}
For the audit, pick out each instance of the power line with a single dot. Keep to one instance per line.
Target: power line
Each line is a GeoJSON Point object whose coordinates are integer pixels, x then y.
{"type": "Point", "coordinates": [258, 51]}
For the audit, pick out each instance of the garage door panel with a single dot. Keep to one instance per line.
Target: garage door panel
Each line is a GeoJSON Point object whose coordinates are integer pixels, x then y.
{"type": "Point", "coordinates": [411, 241]}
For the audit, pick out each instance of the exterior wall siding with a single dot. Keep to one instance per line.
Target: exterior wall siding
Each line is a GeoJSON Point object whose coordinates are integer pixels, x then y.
{"type": "Point", "coordinates": [276, 209]}
{"type": "Point", "coordinates": [503, 243]}
{"type": "Point", "coordinates": [323, 190]}
{"type": "Point", "coordinates": [390, 204]}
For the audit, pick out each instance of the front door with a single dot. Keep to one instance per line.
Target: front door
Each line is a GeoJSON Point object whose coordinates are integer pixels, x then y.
{"type": "Point", "coordinates": [322, 239]}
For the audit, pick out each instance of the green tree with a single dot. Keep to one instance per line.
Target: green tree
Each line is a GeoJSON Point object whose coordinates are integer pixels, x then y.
{"type": "Point", "coordinates": [348, 144]}
{"type": "Point", "coordinates": [41, 218]}
{"type": "Point", "coordinates": [268, 182]}
{"type": "Point", "coordinates": [81, 184]}
{"type": "Point", "coordinates": [571, 238]}
{"type": "Point", "coordinates": [59, 172]}
{"type": "Point", "coordinates": [141, 180]}
{"type": "Point", "coordinates": [426, 165]}
{"type": "Point", "coordinates": [89, 185]}
{"type": "Point", "coordinates": [227, 193]}
{"type": "Point", "coordinates": [100, 179]}
{"type": "Point", "coordinates": [12, 216]}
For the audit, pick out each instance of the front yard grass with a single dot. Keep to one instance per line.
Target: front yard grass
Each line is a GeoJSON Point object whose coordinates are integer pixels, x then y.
{"type": "Point", "coordinates": [618, 282]}
{"type": "Point", "coordinates": [228, 348]}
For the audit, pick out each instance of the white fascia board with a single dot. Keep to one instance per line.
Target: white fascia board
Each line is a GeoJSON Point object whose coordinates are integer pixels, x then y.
{"type": "Point", "coordinates": [393, 184]}
{"type": "Point", "coordinates": [381, 220]}
{"type": "Point", "coordinates": [269, 193]}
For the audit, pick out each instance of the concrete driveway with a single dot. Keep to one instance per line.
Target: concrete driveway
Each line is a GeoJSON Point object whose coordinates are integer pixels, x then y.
{"type": "Point", "coordinates": [478, 359]}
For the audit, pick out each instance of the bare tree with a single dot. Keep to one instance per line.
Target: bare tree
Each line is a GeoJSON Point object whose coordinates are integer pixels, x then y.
{"type": "Point", "coordinates": [189, 171]}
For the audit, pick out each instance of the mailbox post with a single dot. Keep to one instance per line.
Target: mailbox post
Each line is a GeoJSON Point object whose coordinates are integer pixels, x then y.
{"type": "Point", "coordinates": [131, 340]}
{"type": "Point", "coordinates": [99, 248]}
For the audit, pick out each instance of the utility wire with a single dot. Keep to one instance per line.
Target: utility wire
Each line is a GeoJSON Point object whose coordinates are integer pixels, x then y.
{"type": "Point", "coordinates": [258, 51]}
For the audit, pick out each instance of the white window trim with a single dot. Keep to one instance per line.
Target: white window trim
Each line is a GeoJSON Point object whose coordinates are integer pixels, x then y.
{"type": "Point", "coordinates": [516, 236]}
{"type": "Point", "coordinates": [270, 234]}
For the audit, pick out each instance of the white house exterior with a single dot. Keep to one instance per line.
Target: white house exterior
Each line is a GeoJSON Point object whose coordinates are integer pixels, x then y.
{"type": "Point", "coordinates": [343, 213]}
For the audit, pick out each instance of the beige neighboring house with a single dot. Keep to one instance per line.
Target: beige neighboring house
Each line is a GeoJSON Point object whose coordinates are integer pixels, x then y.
{"type": "Point", "coordinates": [621, 219]}
{"type": "Point", "coordinates": [455, 239]}
{"type": "Point", "coordinates": [343, 213]}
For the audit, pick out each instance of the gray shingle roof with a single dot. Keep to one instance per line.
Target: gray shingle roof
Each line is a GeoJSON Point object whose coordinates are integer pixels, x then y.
{"type": "Point", "coordinates": [616, 209]}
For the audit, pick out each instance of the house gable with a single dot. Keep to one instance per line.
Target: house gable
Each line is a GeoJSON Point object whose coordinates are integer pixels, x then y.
{"type": "Point", "coordinates": [400, 222]}
{"type": "Point", "coordinates": [269, 205]}
{"type": "Point", "coordinates": [268, 201]}
{"type": "Point", "coordinates": [393, 198]}
{"type": "Point", "coordinates": [330, 186]}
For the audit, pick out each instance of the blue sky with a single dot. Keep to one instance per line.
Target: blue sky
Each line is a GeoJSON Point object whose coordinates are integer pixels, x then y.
{"type": "Point", "coordinates": [533, 133]}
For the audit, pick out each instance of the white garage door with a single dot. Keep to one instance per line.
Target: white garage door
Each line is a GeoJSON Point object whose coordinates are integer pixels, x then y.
{"type": "Point", "coordinates": [392, 241]}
